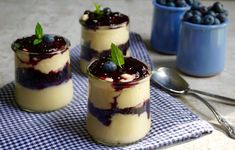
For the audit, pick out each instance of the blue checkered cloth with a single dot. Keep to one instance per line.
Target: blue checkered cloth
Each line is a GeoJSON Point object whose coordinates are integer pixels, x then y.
{"type": "Point", "coordinates": [172, 122]}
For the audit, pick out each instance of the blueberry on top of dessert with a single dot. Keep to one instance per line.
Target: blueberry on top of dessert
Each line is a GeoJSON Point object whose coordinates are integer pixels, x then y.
{"type": "Point", "coordinates": [103, 17]}
{"type": "Point", "coordinates": [178, 3]}
{"type": "Point", "coordinates": [212, 15]}
{"type": "Point", "coordinates": [119, 69]}
{"type": "Point", "coordinates": [41, 43]}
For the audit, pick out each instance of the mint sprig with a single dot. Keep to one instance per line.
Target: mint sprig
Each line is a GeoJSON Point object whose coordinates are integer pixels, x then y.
{"type": "Point", "coordinates": [38, 34]}
{"type": "Point", "coordinates": [98, 10]}
{"type": "Point", "coordinates": [116, 55]}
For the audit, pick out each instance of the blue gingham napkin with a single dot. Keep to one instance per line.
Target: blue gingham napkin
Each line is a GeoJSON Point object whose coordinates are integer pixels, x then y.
{"type": "Point", "coordinates": [172, 122]}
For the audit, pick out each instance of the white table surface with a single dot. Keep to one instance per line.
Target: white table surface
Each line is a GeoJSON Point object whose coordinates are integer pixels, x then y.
{"type": "Point", "coordinates": [18, 18]}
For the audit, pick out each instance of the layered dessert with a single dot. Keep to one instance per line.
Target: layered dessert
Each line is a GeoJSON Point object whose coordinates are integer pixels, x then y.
{"type": "Point", "coordinates": [118, 101]}
{"type": "Point", "coordinates": [99, 29]}
{"type": "Point", "coordinates": [43, 74]}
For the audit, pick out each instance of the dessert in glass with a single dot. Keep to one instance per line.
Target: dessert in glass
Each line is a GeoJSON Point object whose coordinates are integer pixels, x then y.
{"type": "Point", "coordinates": [42, 72]}
{"type": "Point", "coordinates": [118, 101]}
{"type": "Point", "coordinates": [99, 29]}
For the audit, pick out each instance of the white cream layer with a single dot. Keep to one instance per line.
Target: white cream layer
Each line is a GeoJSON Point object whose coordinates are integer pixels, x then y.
{"type": "Point", "coordinates": [102, 38]}
{"type": "Point", "coordinates": [54, 63]}
{"type": "Point", "coordinates": [124, 129]}
{"type": "Point", "coordinates": [101, 93]}
{"type": "Point", "coordinates": [46, 99]}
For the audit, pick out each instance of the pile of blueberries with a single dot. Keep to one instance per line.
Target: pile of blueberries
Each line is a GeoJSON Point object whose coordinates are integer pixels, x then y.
{"type": "Point", "coordinates": [212, 15]}
{"type": "Point", "coordinates": [177, 3]}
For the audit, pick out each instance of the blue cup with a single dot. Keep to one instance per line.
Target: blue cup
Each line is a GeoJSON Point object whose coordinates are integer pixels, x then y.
{"type": "Point", "coordinates": [165, 27]}
{"type": "Point", "coordinates": [201, 50]}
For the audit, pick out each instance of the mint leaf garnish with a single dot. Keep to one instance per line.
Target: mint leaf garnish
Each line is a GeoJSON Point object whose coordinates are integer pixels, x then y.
{"type": "Point", "coordinates": [117, 56]}
{"type": "Point", "coordinates": [37, 41]}
{"type": "Point", "coordinates": [98, 10]}
{"type": "Point", "coordinates": [38, 34]}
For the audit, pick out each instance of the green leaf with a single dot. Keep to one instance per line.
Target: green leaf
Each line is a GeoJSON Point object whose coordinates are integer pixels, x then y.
{"type": "Point", "coordinates": [37, 41]}
{"type": "Point", "coordinates": [98, 10]}
{"type": "Point", "coordinates": [117, 56]}
{"type": "Point", "coordinates": [39, 31]}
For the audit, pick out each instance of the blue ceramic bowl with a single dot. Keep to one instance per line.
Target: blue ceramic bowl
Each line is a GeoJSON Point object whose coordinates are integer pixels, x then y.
{"type": "Point", "coordinates": [201, 50]}
{"type": "Point", "coordinates": [165, 27]}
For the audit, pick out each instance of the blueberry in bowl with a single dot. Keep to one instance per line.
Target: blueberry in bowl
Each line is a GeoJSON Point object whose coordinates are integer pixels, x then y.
{"type": "Point", "coordinates": [178, 3]}
{"type": "Point", "coordinates": [212, 15]}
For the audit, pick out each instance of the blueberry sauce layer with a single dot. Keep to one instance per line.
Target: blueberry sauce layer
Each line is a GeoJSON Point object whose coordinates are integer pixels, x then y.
{"type": "Point", "coordinates": [34, 79]}
{"type": "Point", "coordinates": [107, 18]}
{"type": "Point", "coordinates": [105, 115]}
{"type": "Point", "coordinates": [131, 66]}
{"type": "Point", "coordinates": [89, 53]}
{"type": "Point", "coordinates": [58, 43]}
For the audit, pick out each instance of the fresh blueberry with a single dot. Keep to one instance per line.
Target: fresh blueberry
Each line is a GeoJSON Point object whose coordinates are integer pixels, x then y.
{"type": "Point", "coordinates": [196, 5]}
{"type": "Point", "coordinates": [203, 9]}
{"type": "Point", "coordinates": [107, 10]}
{"type": "Point", "coordinates": [211, 12]}
{"type": "Point", "coordinates": [180, 3]}
{"type": "Point", "coordinates": [162, 2]}
{"type": "Point", "coordinates": [221, 17]}
{"type": "Point", "coordinates": [109, 66]}
{"type": "Point", "coordinates": [170, 4]}
{"type": "Point", "coordinates": [188, 15]}
{"type": "Point", "coordinates": [48, 38]}
{"type": "Point", "coordinates": [225, 13]}
{"type": "Point", "coordinates": [218, 7]}
{"type": "Point", "coordinates": [189, 2]}
{"type": "Point", "coordinates": [196, 13]}
{"type": "Point", "coordinates": [196, 19]}
{"type": "Point", "coordinates": [208, 20]}
{"type": "Point", "coordinates": [217, 21]}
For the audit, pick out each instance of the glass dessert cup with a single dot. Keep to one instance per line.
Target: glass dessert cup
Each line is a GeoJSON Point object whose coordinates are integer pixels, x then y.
{"type": "Point", "coordinates": [43, 80]}
{"type": "Point", "coordinates": [96, 38]}
{"type": "Point", "coordinates": [118, 113]}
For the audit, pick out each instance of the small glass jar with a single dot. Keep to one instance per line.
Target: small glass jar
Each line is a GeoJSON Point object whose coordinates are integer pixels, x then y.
{"type": "Point", "coordinates": [97, 37]}
{"type": "Point", "coordinates": [43, 79]}
{"type": "Point", "coordinates": [118, 113]}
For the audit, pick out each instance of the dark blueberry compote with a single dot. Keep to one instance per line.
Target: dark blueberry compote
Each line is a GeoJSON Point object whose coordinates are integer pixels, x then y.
{"type": "Point", "coordinates": [50, 45]}
{"type": "Point", "coordinates": [105, 17]}
{"type": "Point", "coordinates": [88, 53]}
{"type": "Point", "coordinates": [211, 15]}
{"type": "Point", "coordinates": [135, 69]}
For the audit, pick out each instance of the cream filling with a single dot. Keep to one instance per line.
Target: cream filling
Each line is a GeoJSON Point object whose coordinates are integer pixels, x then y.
{"type": "Point", "coordinates": [54, 63]}
{"type": "Point", "coordinates": [102, 93]}
{"type": "Point", "coordinates": [46, 99]}
{"type": "Point", "coordinates": [101, 39]}
{"type": "Point", "coordinates": [123, 129]}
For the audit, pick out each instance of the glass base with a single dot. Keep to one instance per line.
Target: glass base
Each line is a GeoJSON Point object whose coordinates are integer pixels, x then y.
{"type": "Point", "coordinates": [115, 144]}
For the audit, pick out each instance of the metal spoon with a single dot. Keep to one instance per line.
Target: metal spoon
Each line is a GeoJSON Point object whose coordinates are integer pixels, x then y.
{"type": "Point", "coordinates": [169, 80]}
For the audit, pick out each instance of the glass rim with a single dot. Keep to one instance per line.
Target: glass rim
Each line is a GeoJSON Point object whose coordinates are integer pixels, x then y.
{"type": "Point", "coordinates": [163, 7]}
{"type": "Point", "coordinates": [66, 47]}
{"type": "Point", "coordinates": [140, 80]}
{"type": "Point", "coordinates": [202, 26]}
{"type": "Point", "coordinates": [124, 24]}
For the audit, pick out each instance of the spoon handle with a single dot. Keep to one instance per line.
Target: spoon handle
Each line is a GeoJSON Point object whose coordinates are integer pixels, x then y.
{"type": "Point", "coordinates": [230, 100]}
{"type": "Point", "coordinates": [223, 122]}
